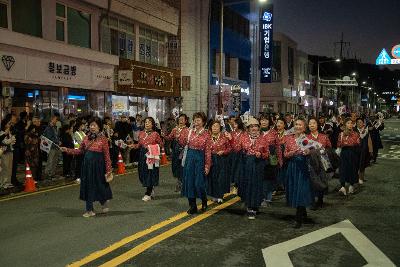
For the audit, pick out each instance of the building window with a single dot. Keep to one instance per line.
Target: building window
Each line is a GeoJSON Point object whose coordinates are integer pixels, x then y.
{"type": "Point", "coordinates": [4, 14]}
{"type": "Point", "coordinates": [244, 70]}
{"type": "Point", "coordinates": [118, 38]}
{"type": "Point", "coordinates": [276, 62]}
{"type": "Point", "coordinates": [27, 17]}
{"type": "Point", "coordinates": [290, 65]}
{"type": "Point", "coordinates": [227, 65]}
{"type": "Point", "coordinates": [152, 47]}
{"type": "Point", "coordinates": [73, 26]}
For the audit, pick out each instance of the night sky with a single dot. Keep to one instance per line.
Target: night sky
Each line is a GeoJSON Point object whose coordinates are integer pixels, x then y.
{"type": "Point", "coordinates": [369, 25]}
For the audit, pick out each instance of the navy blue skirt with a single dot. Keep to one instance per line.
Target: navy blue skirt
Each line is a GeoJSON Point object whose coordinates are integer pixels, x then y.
{"type": "Point", "coordinates": [93, 185]}
{"type": "Point", "coordinates": [236, 166]}
{"type": "Point", "coordinates": [298, 185]}
{"type": "Point", "coordinates": [148, 178]}
{"type": "Point", "coordinates": [348, 169]}
{"type": "Point", "coordinates": [251, 185]}
{"type": "Point", "coordinates": [194, 182]}
{"type": "Point", "coordinates": [176, 163]}
{"type": "Point", "coordinates": [218, 178]}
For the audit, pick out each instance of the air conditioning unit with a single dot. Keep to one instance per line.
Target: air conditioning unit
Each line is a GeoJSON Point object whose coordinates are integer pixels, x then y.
{"type": "Point", "coordinates": [7, 91]}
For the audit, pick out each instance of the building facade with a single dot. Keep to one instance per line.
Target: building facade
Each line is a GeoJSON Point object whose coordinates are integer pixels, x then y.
{"type": "Point", "coordinates": [282, 94]}
{"type": "Point", "coordinates": [236, 60]}
{"type": "Point", "coordinates": [65, 56]}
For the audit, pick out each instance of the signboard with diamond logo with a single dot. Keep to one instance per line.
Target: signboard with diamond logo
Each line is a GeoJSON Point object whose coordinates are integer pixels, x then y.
{"type": "Point", "coordinates": [8, 61]}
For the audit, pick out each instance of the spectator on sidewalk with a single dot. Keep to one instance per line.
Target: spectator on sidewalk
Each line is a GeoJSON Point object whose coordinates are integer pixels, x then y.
{"type": "Point", "coordinates": [54, 154]}
{"type": "Point", "coordinates": [68, 142]}
{"type": "Point", "coordinates": [33, 155]}
{"type": "Point", "coordinates": [122, 131]}
{"type": "Point", "coordinates": [79, 135]}
{"type": "Point", "coordinates": [7, 141]}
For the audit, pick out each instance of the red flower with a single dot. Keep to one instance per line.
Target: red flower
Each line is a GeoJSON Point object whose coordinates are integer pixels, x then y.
{"type": "Point", "coordinates": [305, 142]}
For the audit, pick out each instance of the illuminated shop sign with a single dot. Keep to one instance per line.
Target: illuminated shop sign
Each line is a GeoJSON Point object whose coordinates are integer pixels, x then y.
{"type": "Point", "coordinates": [266, 40]}
{"type": "Point", "coordinates": [385, 59]}
{"type": "Point", "coordinates": [77, 97]}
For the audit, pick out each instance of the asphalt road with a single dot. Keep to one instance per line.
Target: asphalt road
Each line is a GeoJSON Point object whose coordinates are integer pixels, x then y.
{"type": "Point", "coordinates": [47, 229]}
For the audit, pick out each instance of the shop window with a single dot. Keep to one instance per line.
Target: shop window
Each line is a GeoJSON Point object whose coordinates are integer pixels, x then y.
{"type": "Point", "coordinates": [152, 47]}
{"type": "Point", "coordinates": [27, 17]}
{"type": "Point", "coordinates": [118, 38]}
{"type": "Point", "coordinates": [4, 15]}
{"type": "Point", "coordinates": [73, 26]}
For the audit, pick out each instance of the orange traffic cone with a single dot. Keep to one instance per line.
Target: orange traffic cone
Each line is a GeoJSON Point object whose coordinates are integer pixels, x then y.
{"type": "Point", "coordinates": [163, 157]}
{"type": "Point", "coordinates": [120, 164]}
{"type": "Point", "coordinates": [29, 182]}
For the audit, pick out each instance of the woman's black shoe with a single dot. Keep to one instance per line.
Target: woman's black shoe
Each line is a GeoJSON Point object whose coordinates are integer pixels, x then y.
{"type": "Point", "coordinates": [192, 210]}
{"type": "Point", "coordinates": [204, 205]}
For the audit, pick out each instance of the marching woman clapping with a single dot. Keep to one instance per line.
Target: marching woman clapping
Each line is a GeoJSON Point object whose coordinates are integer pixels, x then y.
{"type": "Point", "coordinates": [256, 152]}
{"type": "Point", "coordinates": [149, 153]}
{"type": "Point", "coordinates": [196, 162]}
{"type": "Point", "coordinates": [96, 168]}
{"type": "Point", "coordinates": [177, 150]}
{"type": "Point", "coordinates": [298, 187]}
{"type": "Point", "coordinates": [218, 178]}
{"type": "Point", "coordinates": [348, 142]}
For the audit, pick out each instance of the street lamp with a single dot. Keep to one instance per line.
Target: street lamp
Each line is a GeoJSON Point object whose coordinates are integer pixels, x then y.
{"type": "Point", "coordinates": [318, 81]}
{"type": "Point", "coordinates": [354, 74]}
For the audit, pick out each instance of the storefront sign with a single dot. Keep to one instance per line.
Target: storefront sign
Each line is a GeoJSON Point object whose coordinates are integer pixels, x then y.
{"type": "Point", "coordinates": [119, 103]}
{"type": "Point", "coordinates": [145, 79]}
{"type": "Point", "coordinates": [236, 98]}
{"type": "Point", "coordinates": [48, 69]}
{"type": "Point", "coordinates": [125, 77]}
{"type": "Point", "coordinates": [266, 40]}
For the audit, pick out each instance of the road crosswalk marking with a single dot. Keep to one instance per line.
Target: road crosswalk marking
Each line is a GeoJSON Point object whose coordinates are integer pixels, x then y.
{"type": "Point", "coordinates": [278, 255]}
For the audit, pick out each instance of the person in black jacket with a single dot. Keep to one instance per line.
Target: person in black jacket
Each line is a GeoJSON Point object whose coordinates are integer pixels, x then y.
{"type": "Point", "coordinates": [68, 142]}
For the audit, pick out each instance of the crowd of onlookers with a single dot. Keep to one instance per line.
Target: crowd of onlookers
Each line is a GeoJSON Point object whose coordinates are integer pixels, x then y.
{"type": "Point", "coordinates": [20, 139]}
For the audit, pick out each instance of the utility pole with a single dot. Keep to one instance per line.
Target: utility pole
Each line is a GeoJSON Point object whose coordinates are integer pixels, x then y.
{"type": "Point", "coordinates": [343, 44]}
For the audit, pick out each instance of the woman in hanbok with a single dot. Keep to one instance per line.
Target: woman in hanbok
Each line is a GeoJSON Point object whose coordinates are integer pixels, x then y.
{"type": "Point", "coordinates": [96, 167]}
{"type": "Point", "coordinates": [236, 155]}
{"type": "Point", "coordinates": [322, 139]}
{"type": "Point", "coordinates": [298, 186]}
{"type": "Point", "coordinates": [348, 141]}
{"type": "Point", "coordinates": [196, 162]}
{"type": "Point", "coordinates": [376, 127]}
{"type": "Point", "coordinates": [177, 149]}
{"type": "Point", "coordinates": [255, 149]}
{"type": "Point", "coordinates": [149, 172]}
{"type": "Point", "coordinates": [275, 159]}
{"type": "Point", "coordinates": [366, 149]}
{"type": "Point", "coordinates": [218, 178]}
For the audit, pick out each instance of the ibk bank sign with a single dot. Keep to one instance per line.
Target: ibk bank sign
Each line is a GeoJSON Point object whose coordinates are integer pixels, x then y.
{"type": "Point", "coordinates": [266, 30]}
{"type": "Point", "coordinates": [385, 59]}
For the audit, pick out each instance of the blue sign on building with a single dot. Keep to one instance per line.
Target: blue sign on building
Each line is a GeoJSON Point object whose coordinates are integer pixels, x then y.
{"type": "Point", "coordinates": [266, 39]}
{"type": "Point", "coordinates": [383, 58]}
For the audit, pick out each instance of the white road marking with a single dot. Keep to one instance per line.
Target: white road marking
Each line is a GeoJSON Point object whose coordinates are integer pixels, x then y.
{"type": "Point", "coordinates": [278, 255]}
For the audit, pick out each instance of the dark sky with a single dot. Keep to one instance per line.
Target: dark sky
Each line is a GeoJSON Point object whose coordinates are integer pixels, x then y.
{"type": "Point", "coordinates": [369, 25]}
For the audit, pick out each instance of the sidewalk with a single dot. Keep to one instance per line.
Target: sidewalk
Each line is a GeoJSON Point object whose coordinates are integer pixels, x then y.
{"type": "Point", "coordinates": [44, 184]}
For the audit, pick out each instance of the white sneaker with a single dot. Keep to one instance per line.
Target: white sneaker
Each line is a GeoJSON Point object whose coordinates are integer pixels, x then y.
{"type": "Point", "coordinates": [89, 214]}
{"type": "Point", "coordinates": [351, 189]}
{"type": "Point", "coordinates": [360, 181]}
{"type": "Point", "coordinates": [343, 190]}
{"type": "Point", "coordinates": [220, 200]}
{"type": "Point", "coordinates": [146, 198]}
{"type": "Point", "coordinates": [78, 181]}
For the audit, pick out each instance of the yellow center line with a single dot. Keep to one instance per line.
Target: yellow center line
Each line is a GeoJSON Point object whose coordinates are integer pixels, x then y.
{"type": "Point", "coordinates": [126, 240]}
{"type": "Point", "coordinates": [157, 239]}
